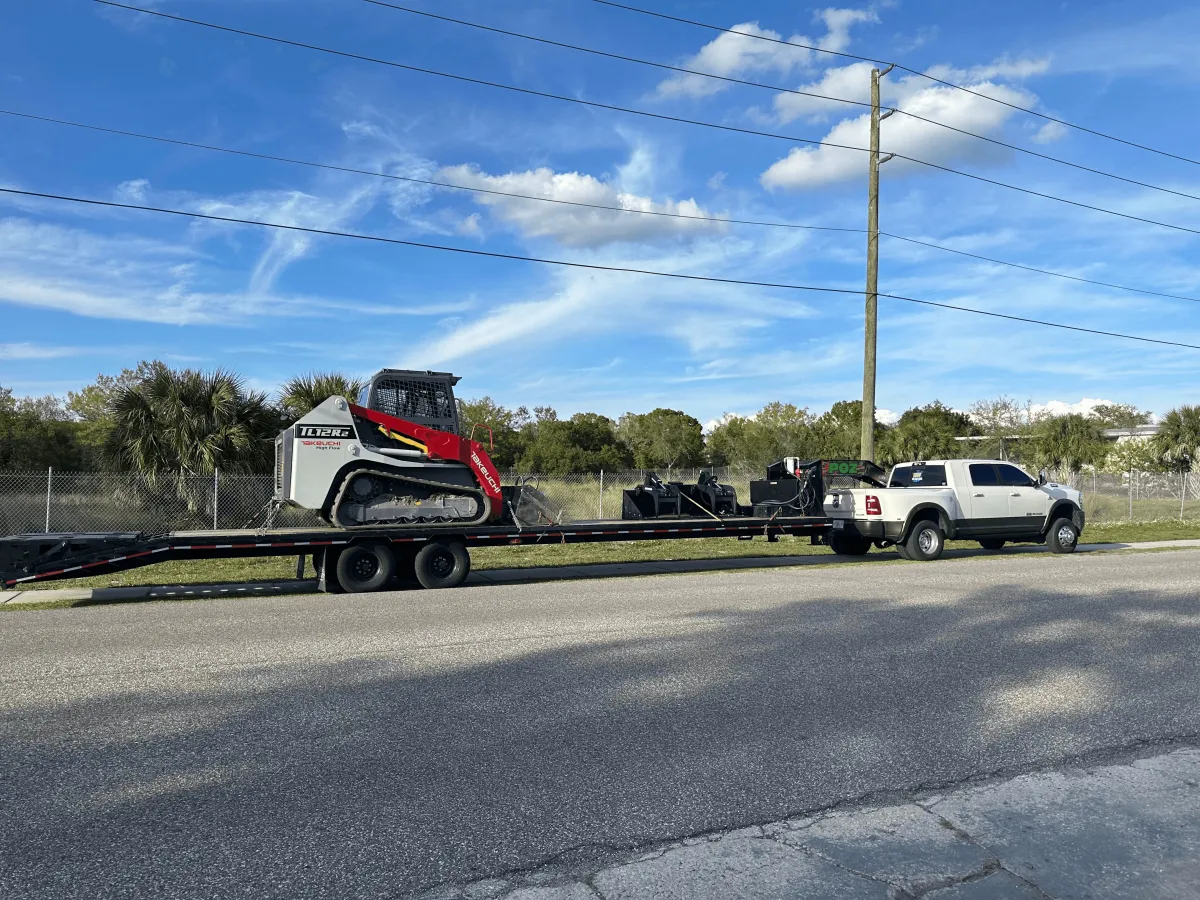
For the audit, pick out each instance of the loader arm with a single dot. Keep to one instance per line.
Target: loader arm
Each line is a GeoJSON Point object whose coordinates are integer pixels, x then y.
{"type": "Point", "coordinates": [438, 445]}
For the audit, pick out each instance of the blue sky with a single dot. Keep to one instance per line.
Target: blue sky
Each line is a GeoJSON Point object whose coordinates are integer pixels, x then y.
{"type": "Point", "coordinates": [85, 290]}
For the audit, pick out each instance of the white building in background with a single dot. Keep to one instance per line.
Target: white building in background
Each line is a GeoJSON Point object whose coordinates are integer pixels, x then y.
{"type": "Point", "coordinates": [1138, 432]}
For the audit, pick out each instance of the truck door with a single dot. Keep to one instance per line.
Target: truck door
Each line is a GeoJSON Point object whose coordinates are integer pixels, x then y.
{"type": "Point", "coordinates": [988, 500]}
{"type": "Point", "coordinates": [1027, 505]}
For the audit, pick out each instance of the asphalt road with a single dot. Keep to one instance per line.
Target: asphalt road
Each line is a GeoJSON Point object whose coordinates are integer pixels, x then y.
{"type": "Point", "coordinates": [376, 746]}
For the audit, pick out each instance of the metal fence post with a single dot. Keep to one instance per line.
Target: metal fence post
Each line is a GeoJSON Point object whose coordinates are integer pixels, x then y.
{"type": "Point", "coordinates": [1182, 493]}
{"type": "Point", "coordinates": [1131, 495]}
{"type": "Point", "coordinates": [216, 476]}
{"type": "Point", "coordinates": [49, 486]}
{"type": "Point", "coordinates": [601, 493]}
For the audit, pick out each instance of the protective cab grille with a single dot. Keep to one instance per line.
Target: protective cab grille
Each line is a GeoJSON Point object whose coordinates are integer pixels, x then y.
{"type": "Point", "coordinates": [426, 401]}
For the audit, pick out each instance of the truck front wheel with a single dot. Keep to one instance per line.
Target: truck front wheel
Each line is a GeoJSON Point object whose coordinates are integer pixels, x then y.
{"type": "Point", "coordinates": [925, 542]}
{"type": "Point", "coordinates": [1063, 536]}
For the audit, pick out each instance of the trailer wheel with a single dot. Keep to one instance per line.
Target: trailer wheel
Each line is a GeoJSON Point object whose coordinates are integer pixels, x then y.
{"type": "Point", "coordinates": [849, 545]}
{"type": "Point", "coordinates": [362, 568]}
{"type": "Point", "coordinates": [442, 565]}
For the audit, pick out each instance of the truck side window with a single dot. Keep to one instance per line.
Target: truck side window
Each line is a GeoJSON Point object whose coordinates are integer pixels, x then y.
{"type": "Point", "coordinates": [983, 475]}
{"type": "Point", "coordinates": [1011, 476]}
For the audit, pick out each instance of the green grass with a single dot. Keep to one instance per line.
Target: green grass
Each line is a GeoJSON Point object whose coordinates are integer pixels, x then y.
{"type": "Point", "coordinates": [237, 571]}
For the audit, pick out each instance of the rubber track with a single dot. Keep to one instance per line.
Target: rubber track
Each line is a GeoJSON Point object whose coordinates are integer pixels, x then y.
{"type": "Point", "coordinates": [485, 502]}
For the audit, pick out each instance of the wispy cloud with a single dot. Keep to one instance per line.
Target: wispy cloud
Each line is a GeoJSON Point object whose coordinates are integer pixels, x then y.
{"type": "Point", "coordinates": [732, 54]}
{"type": "Point", "coordinates": [578, 226]}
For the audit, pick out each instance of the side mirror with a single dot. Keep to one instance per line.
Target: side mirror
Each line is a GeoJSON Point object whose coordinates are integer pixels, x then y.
{"type": "Point", "coordinates": [1043, 477]}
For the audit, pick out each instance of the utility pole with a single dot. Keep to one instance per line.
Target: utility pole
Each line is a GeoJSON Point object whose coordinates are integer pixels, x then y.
{"type": "Point", "coordinates": [867, 442]}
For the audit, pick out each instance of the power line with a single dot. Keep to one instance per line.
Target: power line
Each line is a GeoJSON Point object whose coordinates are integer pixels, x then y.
{"type": "Point", "coordinates": [112, 204]}
{"type": "Point", "coordinates": [577, 203]}
{"type": "Point", "coordinates": [911, 71]}
{"type": "Point", "coordinates": [783, 90]}
{"type": "Point", "coordinates": [639, 112]}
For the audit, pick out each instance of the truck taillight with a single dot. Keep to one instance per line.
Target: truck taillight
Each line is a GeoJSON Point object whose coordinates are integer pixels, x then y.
{"type": "Point", "coordinates": [873, 507]}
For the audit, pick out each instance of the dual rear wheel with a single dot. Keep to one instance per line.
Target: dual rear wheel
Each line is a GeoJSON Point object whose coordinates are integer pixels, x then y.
{"type": "Point", "coordinates": [376, 565]}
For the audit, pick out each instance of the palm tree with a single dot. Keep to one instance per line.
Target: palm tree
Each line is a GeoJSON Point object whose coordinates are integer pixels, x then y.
{"type": "Point", "coordinates": [1178, 439]}
{"type": "Point", "coordinates": [185, 422]}
{"type": "Point", "coordinates": [303, 394]}
{"type": "Point", "coordinates": [1068, 442]}
{"type": "Point", "coordinates": [1177, 444]}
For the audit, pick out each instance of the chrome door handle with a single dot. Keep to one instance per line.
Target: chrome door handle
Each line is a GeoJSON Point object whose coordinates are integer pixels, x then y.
{"type": "Point", "coordinates": [1017, 494]}
{"type": "Point", "coordinates": [979, 495]}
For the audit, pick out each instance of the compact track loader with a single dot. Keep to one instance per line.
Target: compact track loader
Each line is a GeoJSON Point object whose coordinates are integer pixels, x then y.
{"type": "Point", "coordinates": [396, 458]}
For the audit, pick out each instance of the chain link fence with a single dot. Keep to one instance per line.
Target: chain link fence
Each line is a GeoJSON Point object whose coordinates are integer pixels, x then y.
{"type": "Point", "coordinates": [104, 502]}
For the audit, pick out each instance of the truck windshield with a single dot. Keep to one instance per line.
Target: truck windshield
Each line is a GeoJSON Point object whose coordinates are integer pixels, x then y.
{"type": "Point", "coordinates": [918, 476]}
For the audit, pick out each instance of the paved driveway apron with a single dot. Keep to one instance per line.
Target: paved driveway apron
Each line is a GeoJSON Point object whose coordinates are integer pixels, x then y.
{"type": "Point", "coordinates": [377, 746]}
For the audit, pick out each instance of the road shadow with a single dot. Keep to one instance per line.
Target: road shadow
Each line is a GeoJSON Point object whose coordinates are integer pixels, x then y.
{"type": "Point", "coordinates": [409, 765]}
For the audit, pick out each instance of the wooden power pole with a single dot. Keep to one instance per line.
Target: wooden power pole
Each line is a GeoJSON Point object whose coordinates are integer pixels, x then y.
{"type": "Point", "coordinates": [867, 442]}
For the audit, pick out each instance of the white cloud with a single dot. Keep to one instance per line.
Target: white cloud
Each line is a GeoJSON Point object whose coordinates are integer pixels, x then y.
{"type": "Point", "coordinates": [1050, 132]}
{"type": "Point", "coordinates": [1003, 68]}
{"type": "Point", "coordinates": [852, 82]}
{"type": "Point", "coordinates": [702, 318]}
{"type": "Point", "coordinates": [1061, 408]}
{"type": "Point", "coordinates": [886, 416]}
{"type": "Point", "coordinates": [807, 167]}
{"type": "Point", "coordinates": [26, 350]}
{"type": "Point", "coordinates": [838, 23]}
{"type": "Point", "coordinates": [579, 226]}
{"type": "Point", "coordinates": [132, 191]}
{"type": "Point", "coordinates": [734, 55]}
{"type": "Point", "coordinates": [469, 227]}
{"type": "Point", "coordinates": [294, 208]}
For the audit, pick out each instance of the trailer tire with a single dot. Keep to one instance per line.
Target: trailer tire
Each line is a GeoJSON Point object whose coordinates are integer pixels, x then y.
{"type": "Point", "coordinates": [849, 545]}
{"type": "Point", "coordinates": [362, 568]}
{"type": "Point", "coordinates": [1063, 536]}
{"type": "Point", "coordinates": [442, 564]}
{"type": "Point", "coordinates": [925, 542]}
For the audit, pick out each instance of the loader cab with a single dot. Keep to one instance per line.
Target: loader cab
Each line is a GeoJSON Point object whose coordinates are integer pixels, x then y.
{"type": "Point", "coordinates": [426, 398]}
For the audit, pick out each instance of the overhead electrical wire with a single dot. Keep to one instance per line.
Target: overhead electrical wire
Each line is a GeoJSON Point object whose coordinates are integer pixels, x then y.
{"type": "Point", "coordinates": [234, 220]}
{"type": "Point", "coordinates": [783, 90]}
{"type": "Point", "coordinates": [576, 203]}
{"type": "Point", "coordinates": [637, 112]}
{"type": "Point", "coordinates": [904, 68]}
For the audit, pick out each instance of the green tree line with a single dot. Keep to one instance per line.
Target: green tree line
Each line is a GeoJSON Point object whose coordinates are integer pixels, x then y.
{"type": "Point", "coordinates": [162, 421]}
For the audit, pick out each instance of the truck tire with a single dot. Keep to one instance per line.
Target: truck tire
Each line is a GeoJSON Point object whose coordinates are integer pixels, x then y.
{"type": "Point", "coordinates": [362, 568]}
{"type": "Point", "coordinates": [442, 565]}
{"type": "Point", "coordinates": [925, 542]}
{"type": "Point", "coordinates": [901, 550]}
{"type": "Point", "coordinates": [991, 543]}
{"type": "Point", "coordinates": [1063, 536]}
{"type": "Point", "coordinates": [849, 545]}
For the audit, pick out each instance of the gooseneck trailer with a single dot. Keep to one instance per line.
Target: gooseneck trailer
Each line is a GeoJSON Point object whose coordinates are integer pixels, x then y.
{"type": "Point", "coordinates": [404, 495]}
{"type": "Point", "coordinates": [364, 559]}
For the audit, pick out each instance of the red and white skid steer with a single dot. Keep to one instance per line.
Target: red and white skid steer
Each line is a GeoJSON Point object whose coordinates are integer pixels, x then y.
{"type": "Point", "coordinates": [396, 458]}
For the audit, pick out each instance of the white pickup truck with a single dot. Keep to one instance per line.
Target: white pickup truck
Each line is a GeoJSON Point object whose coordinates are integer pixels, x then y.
{"type": "Point", "coordinates": [926, 503]}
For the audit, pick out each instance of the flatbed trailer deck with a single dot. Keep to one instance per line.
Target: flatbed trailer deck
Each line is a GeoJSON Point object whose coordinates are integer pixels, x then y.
{"type": "Point", "coordinates": [45, 557]}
